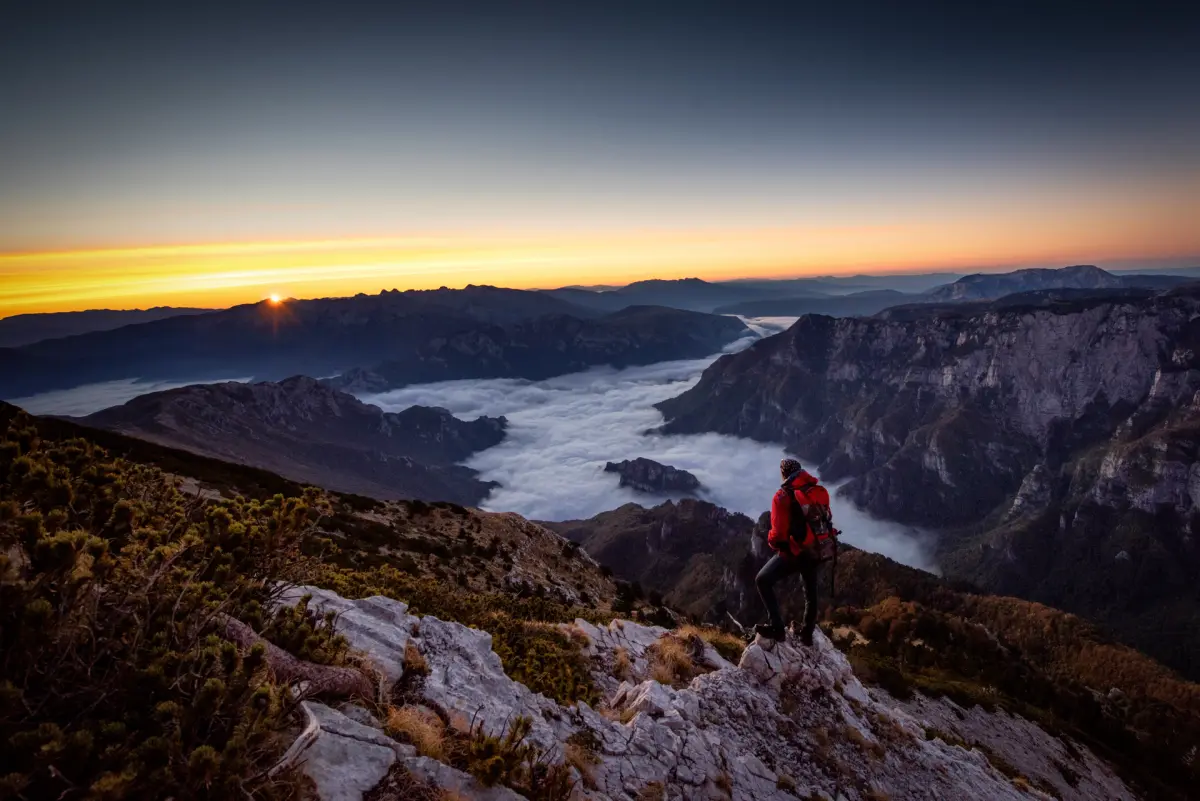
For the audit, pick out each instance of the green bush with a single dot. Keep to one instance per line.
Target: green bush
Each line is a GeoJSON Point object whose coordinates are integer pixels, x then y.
{"type": "Point", "coordinates": [113, 681]}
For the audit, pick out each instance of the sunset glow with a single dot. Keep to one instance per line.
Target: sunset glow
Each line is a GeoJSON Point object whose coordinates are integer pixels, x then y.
{"type": "Point", "coordinates": [217, 275]}
{"type": "Point", "coordinates": [155, 159]}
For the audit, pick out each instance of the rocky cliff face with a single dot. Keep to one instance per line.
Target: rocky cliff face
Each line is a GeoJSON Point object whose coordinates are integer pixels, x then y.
{"type": "Point", "coordinates": [1048, 439]}
{"type": "Point", "coordinates": [651, 477]}
{"type": "Point", "coordinates": [310, 432]}
{"type": "Point", "coordinates": [554, 345]}
{"type": "Point", "coordinates": [783, 723]}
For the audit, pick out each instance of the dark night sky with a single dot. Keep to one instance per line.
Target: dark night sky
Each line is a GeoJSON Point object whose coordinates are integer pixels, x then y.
{"type": "Point", "coordinates": [1037, 124]}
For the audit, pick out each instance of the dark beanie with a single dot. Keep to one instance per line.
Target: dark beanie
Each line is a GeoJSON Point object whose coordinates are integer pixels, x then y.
{"type": "Point", "coordinates": [789, 466]}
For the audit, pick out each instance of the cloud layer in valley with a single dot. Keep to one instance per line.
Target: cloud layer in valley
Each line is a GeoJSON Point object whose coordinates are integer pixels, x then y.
{"type": "Point", "coordinates": [563, 430]}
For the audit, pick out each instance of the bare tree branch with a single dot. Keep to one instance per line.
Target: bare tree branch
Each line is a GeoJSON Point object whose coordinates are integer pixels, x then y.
{"type": "Point", "coordinates": [320, 679]}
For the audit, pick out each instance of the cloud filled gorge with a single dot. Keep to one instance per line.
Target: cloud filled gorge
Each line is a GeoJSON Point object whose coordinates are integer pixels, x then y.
{"type": "Point", "coordinates": [563, 430]}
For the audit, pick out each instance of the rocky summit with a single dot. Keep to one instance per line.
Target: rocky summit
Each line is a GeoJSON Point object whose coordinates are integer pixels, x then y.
{"type": "Point", "coordinates": [785, 722]}
{"type": "Point", "coordinates": [653, 478]}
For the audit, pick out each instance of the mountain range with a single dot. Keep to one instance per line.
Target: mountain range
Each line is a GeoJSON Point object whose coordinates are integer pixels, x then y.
{"type": "Point", "coordinates": [437, 329]}
{"type": "Point", "coordinates": [310, 432]}
{"type": "Point", "coordinates": [855, 296]}
{"type": "Point", "coordinates": [553, 345]}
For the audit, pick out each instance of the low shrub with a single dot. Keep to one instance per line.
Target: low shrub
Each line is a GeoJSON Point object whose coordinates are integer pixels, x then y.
{"type": "Point", "coordinates": [114, 682]}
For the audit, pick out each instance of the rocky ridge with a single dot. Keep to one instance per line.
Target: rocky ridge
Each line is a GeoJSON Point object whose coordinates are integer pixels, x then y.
{"type": "Point", "coordinates": [653, 478]}
{"type": "Point", "coordinates": [307, 431]}
{"type": "Point", "coordinates": [784, 723]}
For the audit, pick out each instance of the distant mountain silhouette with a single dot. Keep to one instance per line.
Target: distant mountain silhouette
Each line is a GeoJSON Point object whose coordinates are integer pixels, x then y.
{"type": "Point", "coordinates": [554, 345]}
{"type": "Point", "coordinates": [691, 294]}
{"type": "Point", "coordinates": [25, 329]}
{"type": "Point", "coordinates": [310, 337]}
{"type": "Point", "coordinates": [989, 286]}
{"type": "Point", "coordinates": [856, 304]}
{"type": "Point", "coordinates": [312, 433]}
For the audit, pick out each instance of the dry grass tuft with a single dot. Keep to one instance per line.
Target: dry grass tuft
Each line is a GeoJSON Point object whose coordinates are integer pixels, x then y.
{"type": "Point", "coordinates": [670, 662]}
{"type": "Point", "coordinates": [419, 727]}
{"type": "Point", "coordinates": [577, 635]}
{"type": "Point", "coordinates": [581, 755]}
{"type": "Point", "coordinates": [414, 660]}
{"type": "Point", "coordinates": [622, 667]}
{"type": "Point", "coordinates": [724, 784]}
{"type": "Point", "coordinates": [729, 646]}
{"type": "Point", "coordinates": [653, 791]}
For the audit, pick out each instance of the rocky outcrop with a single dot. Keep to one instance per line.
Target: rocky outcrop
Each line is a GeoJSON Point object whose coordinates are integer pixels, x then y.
{"type": "Point", "coordinates": [308, 431]}
{"type": "Point", "coordinates": [653, 478]}
{"type": "Point", "coordinates": [554, 345]}
{"type": "Point", "coordinates": [784, 723]}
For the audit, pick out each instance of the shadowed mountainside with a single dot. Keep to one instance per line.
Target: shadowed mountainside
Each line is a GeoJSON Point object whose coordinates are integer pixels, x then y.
{"type": "Point", "coordinates": [310, 432]}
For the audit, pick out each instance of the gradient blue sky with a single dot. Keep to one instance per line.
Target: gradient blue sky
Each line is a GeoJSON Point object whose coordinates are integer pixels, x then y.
{"type": "Point", "coordinates": [968, 134]}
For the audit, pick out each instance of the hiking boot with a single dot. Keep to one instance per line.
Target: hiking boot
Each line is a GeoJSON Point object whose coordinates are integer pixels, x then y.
{"type": "Point", "coordinates": [770, 631]}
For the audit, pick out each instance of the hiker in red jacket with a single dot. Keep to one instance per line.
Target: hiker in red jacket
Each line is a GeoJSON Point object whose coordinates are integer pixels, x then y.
{"type": "Point", "coordinates": [801, 536]}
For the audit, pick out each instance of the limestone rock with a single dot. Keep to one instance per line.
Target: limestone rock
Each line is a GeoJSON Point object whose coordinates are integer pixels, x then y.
{"type": "Point", "coordinates": [787, 722]}
{"type": "Point", "coordinates": [344, 759]}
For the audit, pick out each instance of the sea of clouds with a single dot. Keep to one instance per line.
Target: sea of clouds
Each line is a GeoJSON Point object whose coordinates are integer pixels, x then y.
{"type": "Point", "coordinates": [562, 432]}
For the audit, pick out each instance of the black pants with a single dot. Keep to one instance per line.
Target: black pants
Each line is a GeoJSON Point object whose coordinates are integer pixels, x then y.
{"type": "Point", "coordinates": [780, 567]}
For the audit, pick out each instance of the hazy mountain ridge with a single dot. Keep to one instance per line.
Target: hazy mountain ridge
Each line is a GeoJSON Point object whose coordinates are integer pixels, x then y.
{"type": "Point", "coordinates": [434, 335]}
{"type": "Point", "coordinates": [554, 345]}
{"type": "Point", "coordinates": [1052, 439]}
{"type": "Point", "coordinates": [26, 329]}
{"type": "Point", "coordinates": [854, 304]}
{"type": "Point", "coordinates": [310, 432]}
{"type": "Point", "coordinates": [990, 286]}
{"type": "Point", "coordinates": [270, 341]}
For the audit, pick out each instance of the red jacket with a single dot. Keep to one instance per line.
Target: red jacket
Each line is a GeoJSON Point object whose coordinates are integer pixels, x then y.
{"type": "Point", "coordinates": [781, 512]}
